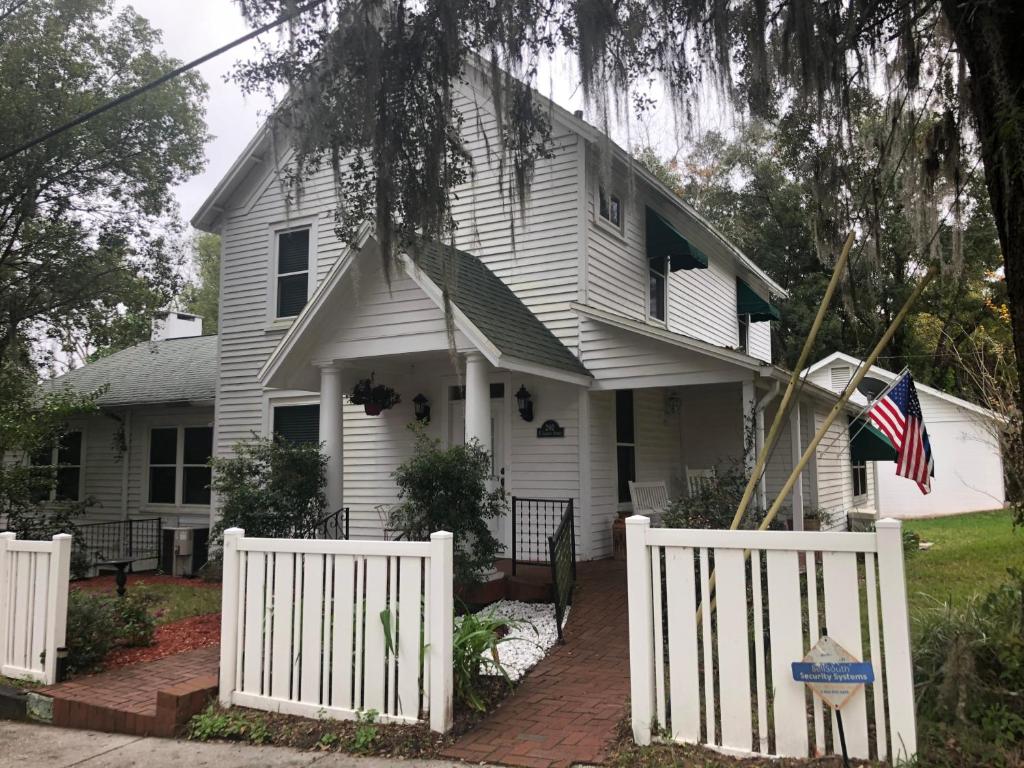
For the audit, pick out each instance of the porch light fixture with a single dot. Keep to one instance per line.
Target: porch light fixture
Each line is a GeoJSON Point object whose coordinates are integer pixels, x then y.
{"type": "Point", "coordinates": [421, 407]}
{"type": "Point", "coordinates": [673, 403]}
{"type": "Point", "coordinates": [525, 403]}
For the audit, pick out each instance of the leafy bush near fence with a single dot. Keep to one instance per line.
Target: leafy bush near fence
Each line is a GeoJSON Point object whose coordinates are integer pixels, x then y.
{"type": "Point", "coordinates": [475, 644]}
{"type": "Point", "coordinates": [445, 489]}
{"type": "Point", "coordinates": [99, 622]}
{"type": "Point", "coordinates": [969, 665]}
{"type": "Point", "coordinates": [271, 488]}
{"type": "Point", "coordinates": [714, 504]}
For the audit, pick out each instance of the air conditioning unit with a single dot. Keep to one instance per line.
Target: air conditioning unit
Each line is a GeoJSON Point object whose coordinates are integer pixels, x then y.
{"type": "Point", "coordinates": [184, 551]}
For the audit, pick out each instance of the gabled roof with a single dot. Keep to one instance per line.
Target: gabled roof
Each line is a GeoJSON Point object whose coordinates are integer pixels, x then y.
{"type": "Point", "coordinates": [483, 308]}
{"type": "Point", "coordinates": [260, 148]}
{"type": "Point", "coordinates": [153, 372]}
{"type": "Point", "coordinates": [889, 376]}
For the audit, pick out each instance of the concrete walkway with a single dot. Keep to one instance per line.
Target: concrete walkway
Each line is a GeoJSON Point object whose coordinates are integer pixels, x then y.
{"type": "Point", "coordinates": [567, 709]}
{"type": "Point", "coordinates": [32, 745]}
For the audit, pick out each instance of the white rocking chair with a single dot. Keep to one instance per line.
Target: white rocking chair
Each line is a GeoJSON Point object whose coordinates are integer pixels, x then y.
{"type": "Point", "coordinates": [650, 499]}
{"type": "Point", "coordinates": [698, 480]}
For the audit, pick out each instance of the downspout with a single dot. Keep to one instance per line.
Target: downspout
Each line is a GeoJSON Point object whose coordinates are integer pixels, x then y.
{"type": "Point", "coordinates": [126, 462]}
{"type": "Point", "coordinates": [764, 402]}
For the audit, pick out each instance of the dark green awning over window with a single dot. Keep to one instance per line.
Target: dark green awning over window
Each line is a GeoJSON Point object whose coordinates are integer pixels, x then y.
{"type": "Point", "coordinates": [868, 443]}
{"type": "Point", "coordinates": [665, 240]}
{"type": "Point", "coordinates": [749, 303]}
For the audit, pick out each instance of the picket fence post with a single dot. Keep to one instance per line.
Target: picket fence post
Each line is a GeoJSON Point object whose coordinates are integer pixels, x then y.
{"type": "Point", "coordinates": [892, 587]}
{"type": "Point", "coordinates": [641, 627]}
{"type": "Point", "coordinates": [6, 587]}
{"type": "Point", "coordinates": [57, 603]}
{"type": "Point", "coordinates": [442, 615]}
{"type": "Point", "coordinates": [229, 614]}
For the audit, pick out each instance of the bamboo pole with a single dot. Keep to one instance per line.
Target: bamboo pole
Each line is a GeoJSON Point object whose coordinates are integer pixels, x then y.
{"type": "Point", "coordinates": [780, 413]}
{"type": "Point", "coordinates": [851, 387]}
{"type": "Point", "coordinates": [840, 404]}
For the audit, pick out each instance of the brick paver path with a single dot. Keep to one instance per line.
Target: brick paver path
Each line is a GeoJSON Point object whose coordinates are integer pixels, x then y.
{"type": "Point", "coordinates": [567, 708]}
{"type": "Point", "coordinates": [149, 698]}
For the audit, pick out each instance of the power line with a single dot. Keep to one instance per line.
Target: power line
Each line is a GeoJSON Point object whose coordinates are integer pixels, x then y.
{"type": "Point", "coordinates": [134, 93]}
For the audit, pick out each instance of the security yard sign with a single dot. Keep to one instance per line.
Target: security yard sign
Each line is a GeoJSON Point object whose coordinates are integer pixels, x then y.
{"type": "Point", "coordinates": [832, 672]}
{"type": "Point", "coordinates": [835, 675]}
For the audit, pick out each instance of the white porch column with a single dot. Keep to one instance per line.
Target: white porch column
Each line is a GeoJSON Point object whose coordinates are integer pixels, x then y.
{"type": "Point", "coordinates": [748, 405]}
{"type": "Point", "coordinates": [478, 400]}
{"type": "Point", "coordinates": [796, 451]}
{"type": "Point", "coordinates": [332, 435]}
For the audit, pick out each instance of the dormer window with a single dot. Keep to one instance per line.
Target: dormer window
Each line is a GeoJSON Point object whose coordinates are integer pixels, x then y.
{"type": "Point", "coordinates": [293, 272]}
{"type": "Point", "coordinates": [610, 208]}
{"type": "Point", "coordinates": [658, 269]}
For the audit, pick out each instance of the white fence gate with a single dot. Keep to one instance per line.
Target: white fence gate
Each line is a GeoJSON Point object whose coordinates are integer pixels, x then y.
{"type": "Point", "coordinates": [33, 605]}
{"type": "Point", "coordinates": [311, 627]}
{"type": "Point", "coordinates": [712, 678]}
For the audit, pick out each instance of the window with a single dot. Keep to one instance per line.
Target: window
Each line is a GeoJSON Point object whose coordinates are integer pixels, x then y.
{"type": "Point", "coordinates": [860, 478]}
{"type": "Point", "coordinates": [610, 208]}
{"type": "Point", "coordinates": [625, 442]}
{"type": "Point", "coordinates": [298, 424]}
{"type": "Point", "coordinates": [178, 459]}
{"type": "Point", "coordinates": [66, 456]}
{"type": "Point", "coordinates": [744, 332]}
{"type": "Point", "coordinates": [292, 272]}
{"type": "Point", "coordinates": [658, 268]}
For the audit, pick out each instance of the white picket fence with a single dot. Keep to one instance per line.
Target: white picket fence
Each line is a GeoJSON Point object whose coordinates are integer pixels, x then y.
{"type": "Point", "coordinates": [33, 605]}
{"type": "Point", "coordinates": [325, 627]}
{"type": "Point", "coordinates": [716, 680]}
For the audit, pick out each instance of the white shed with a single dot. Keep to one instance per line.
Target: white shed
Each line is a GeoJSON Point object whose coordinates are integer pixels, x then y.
{"type": "Point", "coordinates": [965, 445]}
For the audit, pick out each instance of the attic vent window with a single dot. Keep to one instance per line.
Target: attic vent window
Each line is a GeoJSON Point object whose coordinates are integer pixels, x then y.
{"type": "Point", "coordinates": [610, 208]}
{"type": "Point", "coordinates": [840, 377]}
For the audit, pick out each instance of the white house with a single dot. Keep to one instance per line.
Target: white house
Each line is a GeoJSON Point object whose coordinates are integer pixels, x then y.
{"type": "Point", "coordinates": [965, 446]}
{"type": "Point", "coordinates": [630, 322]}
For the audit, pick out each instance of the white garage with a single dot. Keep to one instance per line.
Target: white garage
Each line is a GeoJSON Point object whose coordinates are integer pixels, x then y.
{"type": "Point", "coordinates": [965, 446]}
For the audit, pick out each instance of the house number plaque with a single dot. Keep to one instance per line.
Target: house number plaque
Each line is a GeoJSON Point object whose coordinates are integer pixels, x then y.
{"type": "Point", "coordinates": [550, 428]}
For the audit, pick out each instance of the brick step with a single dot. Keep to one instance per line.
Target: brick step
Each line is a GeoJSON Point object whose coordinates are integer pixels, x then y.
{"type": "Point", "coordinates": [153, 698]}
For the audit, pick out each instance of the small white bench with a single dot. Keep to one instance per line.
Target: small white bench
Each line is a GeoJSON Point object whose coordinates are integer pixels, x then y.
{"type": "Point", "coordinates": [650, 499]}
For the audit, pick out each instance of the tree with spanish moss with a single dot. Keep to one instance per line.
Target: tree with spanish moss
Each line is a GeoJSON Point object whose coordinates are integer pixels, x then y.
{"type": "Point", "coordinates": [374, 80]}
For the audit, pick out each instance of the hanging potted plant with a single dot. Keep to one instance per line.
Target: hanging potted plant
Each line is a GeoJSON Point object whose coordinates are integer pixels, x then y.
{"type": "Point", "coordinates": [374, 397]}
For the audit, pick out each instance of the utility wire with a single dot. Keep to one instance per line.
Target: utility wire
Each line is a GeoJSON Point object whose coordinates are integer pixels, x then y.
{"type": "Point", "coordinates": [136, 92]}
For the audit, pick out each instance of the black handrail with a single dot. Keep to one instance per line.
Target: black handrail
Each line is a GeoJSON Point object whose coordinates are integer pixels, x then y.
{"type": "Point", "coordinates": [562, 553]}
{"type": "Point", "coordinates": [332, 526]}
{"type": "Point", "coordinates": [533, 522]}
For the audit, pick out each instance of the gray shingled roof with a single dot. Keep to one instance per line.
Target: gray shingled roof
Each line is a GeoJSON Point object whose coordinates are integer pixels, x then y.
{"type": "Point", "coordinates": [175, 370]}
{"type": "Point", "coordinates": [493, 308]}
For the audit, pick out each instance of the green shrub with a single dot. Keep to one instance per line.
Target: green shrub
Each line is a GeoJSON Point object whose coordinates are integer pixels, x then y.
{"type": "Point", "coordinates": [474, 643]}
{"type": "Point", "coordinates": [714, 504]}
{"type": "Point", "coordinates": [969, 663]}
{"type": "Point", "coordinates": [271, 488]}
{"type": "Point", "coordinates": [90, 634]}
{"type": "Point", "coordinates": [445, 489]}
{"type": "Point", "coordinates": [911, 541]}
{"type": "Point", "coordinates": [99, 622]}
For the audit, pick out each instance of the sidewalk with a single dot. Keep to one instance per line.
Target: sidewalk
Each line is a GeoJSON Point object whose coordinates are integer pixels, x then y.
{"type": "Point", "coordinates": [46, 746]}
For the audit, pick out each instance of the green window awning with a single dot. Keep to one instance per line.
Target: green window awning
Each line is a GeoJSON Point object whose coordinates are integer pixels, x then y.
{"type": "Point", "coordinates": [665, 240]}
{"type": "Point", "coordinates": [749, 303]}
{"type": "Point", "coordinates": [868, 443]}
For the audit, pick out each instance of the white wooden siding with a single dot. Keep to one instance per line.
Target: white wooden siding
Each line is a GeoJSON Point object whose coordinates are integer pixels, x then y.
{"type": "Point", "coordinates": [834, 477]}
{"type": "Point", "coordinates": [658, 441]}
{"type": "Point", "coordinates": [712, 425]}
{"type": "Point", "coordinates": [759, 341]}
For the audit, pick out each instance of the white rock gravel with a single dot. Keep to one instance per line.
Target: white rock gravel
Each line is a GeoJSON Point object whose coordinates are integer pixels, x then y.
{"type": "Point", "coordinates": [527, 642]}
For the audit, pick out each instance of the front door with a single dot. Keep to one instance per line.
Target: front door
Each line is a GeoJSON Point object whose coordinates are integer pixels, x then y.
{"type": "Point", "coordinates": [457, 431]}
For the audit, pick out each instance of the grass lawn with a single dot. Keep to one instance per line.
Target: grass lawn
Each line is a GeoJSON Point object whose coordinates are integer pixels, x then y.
{"type": "Point", "coordinates": [169, 599]}
{"type": "Point", "coordinates": [970, 555]}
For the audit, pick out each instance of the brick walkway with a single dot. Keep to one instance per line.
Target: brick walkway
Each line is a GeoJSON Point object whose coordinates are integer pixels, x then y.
{"type": "Point", "coordinates": [568, 707]}
{"type": "Point", "coordinates": [148, 699]}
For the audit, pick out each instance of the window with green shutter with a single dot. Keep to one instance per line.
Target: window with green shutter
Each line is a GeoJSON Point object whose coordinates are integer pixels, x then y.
{"type": "Point", "coordinates": [298, 424]}
{"type": "Point", "coordinates": [292, 272]}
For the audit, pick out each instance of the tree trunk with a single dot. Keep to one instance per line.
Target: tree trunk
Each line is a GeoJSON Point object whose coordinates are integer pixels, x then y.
{"type": "Point", "coordinates": [989, 35]}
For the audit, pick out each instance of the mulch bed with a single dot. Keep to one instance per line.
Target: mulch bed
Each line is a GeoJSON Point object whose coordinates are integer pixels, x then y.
{"type": "Point", "coordinates": [177, 637]}
{"type": "Point", "coordinates": [107, 583]}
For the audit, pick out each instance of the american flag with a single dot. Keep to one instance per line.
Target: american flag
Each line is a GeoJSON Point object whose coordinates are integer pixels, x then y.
{"type": "Point", "coordinates": [898, 414]}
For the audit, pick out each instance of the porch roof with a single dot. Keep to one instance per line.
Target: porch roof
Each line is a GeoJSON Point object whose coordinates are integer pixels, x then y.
{"type": "Point", "coordinates": [483, 309]}
{"type": "Point", "coordinates": [494, 309]}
